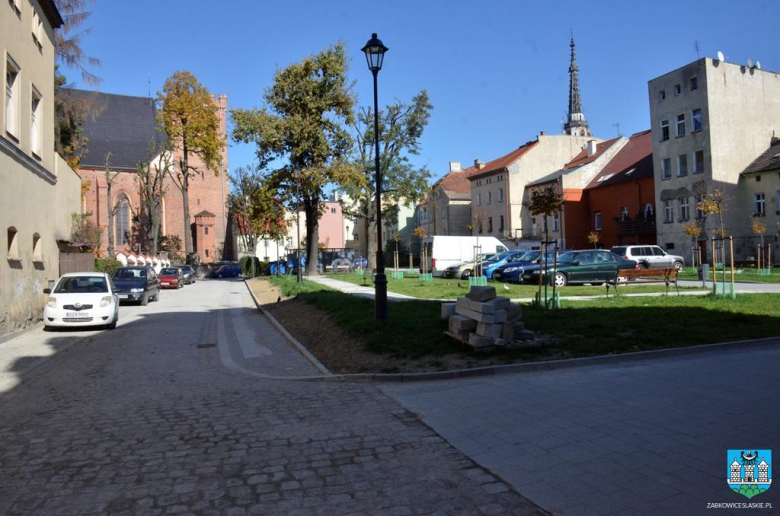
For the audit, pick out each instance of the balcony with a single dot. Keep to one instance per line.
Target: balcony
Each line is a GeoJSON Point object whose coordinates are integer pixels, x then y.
{"type": "Point", "coordinates": [637, 227]}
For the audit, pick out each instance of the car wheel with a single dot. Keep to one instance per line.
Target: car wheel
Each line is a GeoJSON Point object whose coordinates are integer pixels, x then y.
{"type": "Point", "coordinates": [112, 326]}
{"type": "Point", "coordinates": [560, 279]}
{"type": "Point", "coordinates": [145, 299]}
{"type": "Point", "coordinates": [679, 266]}
{"type": "Point", "coordinates": [466, 274]}
{"type": "Point", "coordinates": [643, 265]}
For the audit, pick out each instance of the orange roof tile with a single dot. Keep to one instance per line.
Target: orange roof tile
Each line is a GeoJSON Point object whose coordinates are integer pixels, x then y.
{"type": "Point", "coordinates": [583, 159]}
{"type": "Point", "coordinates": [500, 163]}
{"type": "Point", "coordinates": [634, 161]}
{"type": "Point", "coordinates": [455, 181]}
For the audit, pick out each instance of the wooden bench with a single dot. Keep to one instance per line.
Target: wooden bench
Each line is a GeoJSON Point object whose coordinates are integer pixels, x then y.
{"type": "Point", "coordinates": [635, 276]}
{"type": "Point", "coordinates": [338, 268]}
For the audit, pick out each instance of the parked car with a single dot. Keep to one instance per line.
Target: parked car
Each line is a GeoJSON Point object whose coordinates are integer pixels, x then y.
{"type": "Point", "coordinates": [464, 270]}
{"type": "Point", "coordinates": [490, 266]}
{"type": "Point", "coordinates": [232, 270]}
{"type": "Point", "coordinates": [448, 251]}
{"type": "Point", "coordinates": [82, 299]}
{"type": "Point", "coordinates": [136, 284]}
{"type": "Point", "coordinates": [650, 257]}
{"type": "Point", "coordinates": [512, 271]}
{"type": "Point", "coordinates": [187, 273]}
{"type": "Point", "coordinates": [594, 266]}
{"type": "Point", "coordinates": [171, 277]}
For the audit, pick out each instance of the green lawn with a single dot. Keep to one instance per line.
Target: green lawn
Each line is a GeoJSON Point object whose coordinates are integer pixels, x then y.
{"type": "Point", "coordinates": [579, 328]}
{"type": "Point", "coordinates": [747, 274]}
{"type": "Point", "coordinates": [441, 288]}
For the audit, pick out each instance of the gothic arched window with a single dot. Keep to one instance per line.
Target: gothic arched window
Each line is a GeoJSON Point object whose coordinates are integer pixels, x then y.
{"type": "Point", "coordinates": [122, 217]}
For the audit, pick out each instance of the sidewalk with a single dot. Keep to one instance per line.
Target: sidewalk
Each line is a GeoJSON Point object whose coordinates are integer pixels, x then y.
{"type": "Point", "coordinates": [356, 290]}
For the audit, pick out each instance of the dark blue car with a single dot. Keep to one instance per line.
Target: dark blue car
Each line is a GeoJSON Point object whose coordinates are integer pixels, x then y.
{"type": "Point", "coordinates": [512, 272]}
{"type": "Point", "coordinates": [231, 270]}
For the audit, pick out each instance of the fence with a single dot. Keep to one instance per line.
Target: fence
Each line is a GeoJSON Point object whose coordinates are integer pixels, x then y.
{"type": "Point", "coordinates": [76, 262]}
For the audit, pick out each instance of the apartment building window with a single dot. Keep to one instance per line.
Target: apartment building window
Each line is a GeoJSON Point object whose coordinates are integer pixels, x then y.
{"type": "Point", "coordinates": [699, 211]}
{"type": "Point", "coordinates": [500, 195]}
{"type": "Point", "coordinates": [759, 204]}
{"type": "Point", "coordinates": [694, 83]}
{"type": "Point", "coordinates": [37, 29]}
{"type": "Point", "coordinates": [556, 221]}
{"type": "Point", "coordinates": [664, 130]}
{"type": "Point", "coordinates": [490, 224]}
{"type": "Point", "coordinates": [677, 90]}
{"type": "Point", "coordinates": [479, 199]}
{"type": "Point", "coordinates": [696, 124]}
{"type": "Point", "coordinates": [685, 209]}
{"type": "Point", "coordinates": [35, 122]}
{"type": "Point", "coordinates": [533, 226]}
{"type": "Point", "coordinates": [624, 213]}
{"type": "Point", "coordinates": [501, 224]}
{"type": "Point", "coordinates": [682, 165]}
{"type": "Point", "coordinates": [16, 5]}
{"type": "Point", "coordinates": [668, 211]}
{"type": "Point", "coordinates": [666, 168]}
{"type": "Point", "coordinates": [333, 210]}
{"type": "Point", "coordinates": [544, 224]}
{"type": "Point", "coordinates": [698, 162]}
{"type": "Point", "coordinates": [597, 221]}
{"type": "Point", "coordinates": [661, 95]}
{"type": "Point", "coordinates": [12, 97]}
{"type": "Point", "coordinates": [490, 198]}
{"type": "Point", "coordinates": [648, 210]}
{"type": "Point", "coordinates": [680, 125]}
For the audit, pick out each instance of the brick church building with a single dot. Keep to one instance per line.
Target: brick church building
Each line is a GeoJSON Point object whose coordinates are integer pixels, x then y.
{"type": "Point", "coordinates": [124, 128]}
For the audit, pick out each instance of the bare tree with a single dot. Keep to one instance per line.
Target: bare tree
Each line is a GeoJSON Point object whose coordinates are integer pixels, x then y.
{"type": "Point", "coordinates": [151, 186]}
{"type": "Point", "coordinates": [112, 206]}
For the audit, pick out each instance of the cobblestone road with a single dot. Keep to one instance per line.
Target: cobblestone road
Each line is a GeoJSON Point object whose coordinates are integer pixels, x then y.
{"type": "Point", "coordinates": [147, 420]}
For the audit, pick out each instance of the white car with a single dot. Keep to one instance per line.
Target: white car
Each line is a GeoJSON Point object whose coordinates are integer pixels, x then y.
{"type": "Point", "coordinates": [650, 257]}
{"type": "Point", "coordinates": [82, 299]}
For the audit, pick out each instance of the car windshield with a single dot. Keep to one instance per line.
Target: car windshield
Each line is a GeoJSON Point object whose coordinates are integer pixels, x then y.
{"type": "Point", "coordinates": [130, 273]}
{"type": "Point", "coordinates": [619, 250]}
{"type": "Point", "coordinates": [81, 284]}
{"type": "Point", "coordinates": [186, 268]}
{"type": "Point", "coordinates": [500, 256]}
{"type": "Point", "coordinates": [169, 272]}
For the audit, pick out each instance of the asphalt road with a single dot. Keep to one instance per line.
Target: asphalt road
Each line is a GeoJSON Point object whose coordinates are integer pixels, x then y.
{"type": "Point", "coordinates": [178, 411]}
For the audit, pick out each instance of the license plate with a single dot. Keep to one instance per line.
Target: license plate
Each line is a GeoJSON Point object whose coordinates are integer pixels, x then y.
{"type": "Point", "coordinates": [123, 296]}
{"type": "Point", "coordinates": [76, 315]}
{"type": "Point", "coordinates": [164, 283]}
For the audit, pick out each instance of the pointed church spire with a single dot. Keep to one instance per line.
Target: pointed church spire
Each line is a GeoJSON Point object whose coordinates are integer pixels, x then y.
{"type": "Point", "coordinates": [575, 125]}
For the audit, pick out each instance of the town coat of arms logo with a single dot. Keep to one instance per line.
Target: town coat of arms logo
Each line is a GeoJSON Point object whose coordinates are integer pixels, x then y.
{"type": "Point", "coordinates": [749, 472]}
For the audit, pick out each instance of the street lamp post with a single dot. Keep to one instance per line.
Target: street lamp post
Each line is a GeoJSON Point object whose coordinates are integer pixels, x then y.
{"type": "Point", "coordinates": [375, 54]}
{"type": "Point", "coordinates": [298, 222]}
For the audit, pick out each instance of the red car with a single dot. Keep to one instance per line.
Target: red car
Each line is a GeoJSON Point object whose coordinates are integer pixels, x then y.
{"type": "Point", "coordinates": [171, 277]}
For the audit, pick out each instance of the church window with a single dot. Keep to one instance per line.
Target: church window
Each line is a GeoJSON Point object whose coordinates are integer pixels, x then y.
{"type": "Point", "coordinates": [122, 220]}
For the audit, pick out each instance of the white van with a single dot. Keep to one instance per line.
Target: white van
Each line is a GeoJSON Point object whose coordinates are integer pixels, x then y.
{"type": "Point", "coordinates": [445, 251]}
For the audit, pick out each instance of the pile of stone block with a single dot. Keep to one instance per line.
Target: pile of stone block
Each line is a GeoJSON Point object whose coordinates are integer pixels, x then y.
{"type": "Point", "coordinates": [485, 321]}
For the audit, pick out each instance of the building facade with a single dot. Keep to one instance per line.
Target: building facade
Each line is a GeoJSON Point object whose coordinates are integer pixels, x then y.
{"type": "Point", "coordinates": [123, 134]}
{"type": "Point", "coordinates": [39, 191]}
{"type": "Point", "coordinates": [447, 207]}
{"type": "Point", "coordinates": [710, 119]}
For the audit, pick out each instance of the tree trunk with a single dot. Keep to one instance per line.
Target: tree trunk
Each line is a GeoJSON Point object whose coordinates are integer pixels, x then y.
{"type": "Point", "coordinates": [185, 201]}
{"type": "Point", "coordinates": [312, 235]}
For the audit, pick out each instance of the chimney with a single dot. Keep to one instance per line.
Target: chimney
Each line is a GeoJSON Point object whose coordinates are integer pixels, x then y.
{"type": "Point", "coordinates": [455, 166]}
{"type": "Point", "coordinates": [542, 133]}
{"type": "Point", "coordinates": [478, 164]}
{"type": "Point", "coordinates": [591, 147]}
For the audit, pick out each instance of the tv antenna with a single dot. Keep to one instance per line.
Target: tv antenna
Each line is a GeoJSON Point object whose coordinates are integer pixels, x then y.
{"type": "Point", "coordinates": [720, 56]}
{"type": "Point", "coordinates": [617, 125]}
{"type": "Point", "coordinates": [696, 47]}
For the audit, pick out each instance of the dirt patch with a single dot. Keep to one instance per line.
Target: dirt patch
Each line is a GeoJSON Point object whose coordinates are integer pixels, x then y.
{"type": "Point", "coordinates": [343, 353]}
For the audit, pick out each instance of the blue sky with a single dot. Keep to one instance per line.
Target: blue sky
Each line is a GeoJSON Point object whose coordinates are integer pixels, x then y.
{"type": "Point", "coordinates": [496, 71]}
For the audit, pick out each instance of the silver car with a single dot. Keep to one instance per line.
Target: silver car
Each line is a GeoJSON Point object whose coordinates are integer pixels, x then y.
{"type": "Point", "coordinates": [650, 257]}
